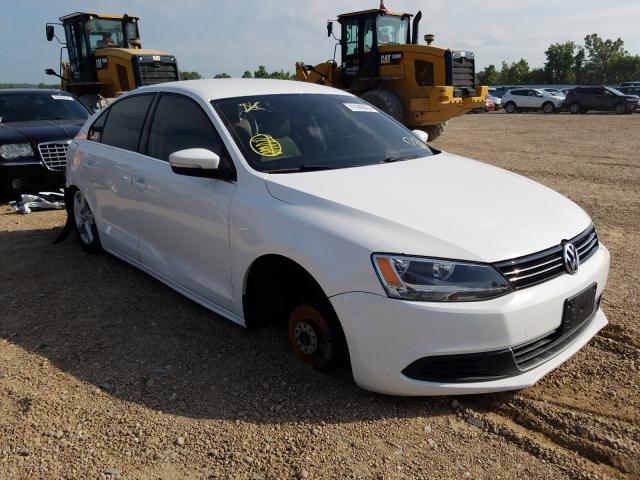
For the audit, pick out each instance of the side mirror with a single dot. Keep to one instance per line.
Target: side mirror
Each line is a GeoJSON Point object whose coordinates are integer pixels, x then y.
{"type": "Point", "coordinates": [329, 28]}
{"type": "Point", "coordinates": [422, 135]}
{"type": "Point", "coordinates": [50, 32]}
{"type": "Point", "coordinates": [195, 162]}
{"type": "Point", "coordinates": [50, 71]}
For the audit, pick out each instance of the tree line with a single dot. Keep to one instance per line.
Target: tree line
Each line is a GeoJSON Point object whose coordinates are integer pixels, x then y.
{"type": "Point", "coordinates": [261, 72]}
{"type": "Point", "coordinates": [598, 61]}
{"type": "Point", "coordinates": [29, 85]}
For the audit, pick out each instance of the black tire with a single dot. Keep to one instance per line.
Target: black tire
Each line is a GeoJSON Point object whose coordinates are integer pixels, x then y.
{"type": "Point", "coordinates": [386, 101]}
{"type": "Point", "coordinates": [621, 109]}
{"type": "Point", "coordinates": [548, 107]}
{"type": "Point", "coordinates": [315, 334]}
{"type": "Point", "coordinates": [434, 131]}
{"type": "Point", "coordinates": [575, 108]}
{"type": "Point", "coordinates": [84, 224]}
{"type": "Point", "coordinates": [510, 107]}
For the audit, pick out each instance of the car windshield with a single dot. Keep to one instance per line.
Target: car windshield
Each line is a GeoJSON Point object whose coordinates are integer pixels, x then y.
{"type": "Point", "coordinates": [27, 107]}
{"type": "Point", "coordinates": [614, 91]}
{"type": "Point", "coordinates": [293, 132]}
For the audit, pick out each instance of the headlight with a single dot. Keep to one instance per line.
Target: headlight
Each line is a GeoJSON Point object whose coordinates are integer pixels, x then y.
{"type": "Point", "coordinates": [16, 150]}
{"type": "Point", "coordinates": [433, 280]}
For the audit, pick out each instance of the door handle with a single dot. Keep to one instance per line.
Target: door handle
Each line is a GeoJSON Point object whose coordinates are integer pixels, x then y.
{"type": "Point", "coordinates": [139, 183]}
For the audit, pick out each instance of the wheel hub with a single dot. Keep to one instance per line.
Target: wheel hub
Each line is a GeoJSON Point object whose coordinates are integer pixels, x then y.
{"type": "Point", "coordinates": [306, 338]}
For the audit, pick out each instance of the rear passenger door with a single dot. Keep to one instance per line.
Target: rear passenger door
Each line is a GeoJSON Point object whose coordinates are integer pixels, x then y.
{"type": "Point", "coordinates": [182, 221]}
{"type": "Point", "coordinates": [109, 156]}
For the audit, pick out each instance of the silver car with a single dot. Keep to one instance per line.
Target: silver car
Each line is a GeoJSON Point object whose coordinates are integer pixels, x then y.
{"type": "Point", "coordinates": [521, 99]}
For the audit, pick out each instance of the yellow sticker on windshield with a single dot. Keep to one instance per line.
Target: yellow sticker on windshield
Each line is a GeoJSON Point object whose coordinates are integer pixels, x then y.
{"type": "Point", "coordinates": [251, 107]}
{"type": "Point", "coordinates": [265, 145]}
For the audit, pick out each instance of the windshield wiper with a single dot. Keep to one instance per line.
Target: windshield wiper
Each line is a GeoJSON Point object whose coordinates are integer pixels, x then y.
{"type": "Point", "coordinates": [399, 159]}
{"type": "Point", "coordinates": [309, 168]}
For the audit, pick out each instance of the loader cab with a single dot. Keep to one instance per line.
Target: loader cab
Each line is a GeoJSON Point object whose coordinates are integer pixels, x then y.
{"type": "Point", "coordinates": [87, 32]}
{"type": "Point", "coordinates": [362, 35]}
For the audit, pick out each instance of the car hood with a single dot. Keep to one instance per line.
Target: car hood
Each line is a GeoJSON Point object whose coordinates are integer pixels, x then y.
{"type": "Point", "coordinates": [443, 206]}
{"type": "Point", "coordinates": [39, 131]}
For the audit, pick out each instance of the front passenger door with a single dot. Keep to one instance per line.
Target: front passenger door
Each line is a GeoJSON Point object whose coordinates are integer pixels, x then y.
{"type": "Point", "coordinates": [183, 229]}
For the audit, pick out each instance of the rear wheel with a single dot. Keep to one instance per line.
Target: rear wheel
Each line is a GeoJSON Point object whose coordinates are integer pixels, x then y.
{"type": "Point", "coordinates": [315, 334]}
{"type": "Point", "coordinates": [386, 101]}
{"type": "Point", "coordinates": [510, 107]}
{"type": "Point", "coordinates": [548, 107]}
{"type": "Point", "coordinates": [85, 225]}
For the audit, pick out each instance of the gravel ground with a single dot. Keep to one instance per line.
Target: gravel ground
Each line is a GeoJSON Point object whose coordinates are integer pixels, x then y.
{"type": "Point", "coordinates": [105, 372]}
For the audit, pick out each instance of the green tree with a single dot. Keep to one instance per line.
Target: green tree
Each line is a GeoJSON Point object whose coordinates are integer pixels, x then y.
{"type": "Point", "coordinates": [536, 76]}
{"type": "Point", "coordinates": [602, 57]}
{"type": "Point", "coordinates": [222, 75]}
{"type": "Point", "coordinates": [247, 74]}
{"type": "Point", "coordinates": [559, 67]}
{"type": "Point", "coordinates": [489, 76]}
{"type": "Point", "coordinates": [515, 73]}
{"type": "Point", "coordinates": [261, 72]}
{"type": "Point", "coordinates": [190, 76]}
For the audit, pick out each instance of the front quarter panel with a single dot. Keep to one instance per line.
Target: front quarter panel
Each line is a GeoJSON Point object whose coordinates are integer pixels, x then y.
{"type": "Point", "coordinates": [338, 257]}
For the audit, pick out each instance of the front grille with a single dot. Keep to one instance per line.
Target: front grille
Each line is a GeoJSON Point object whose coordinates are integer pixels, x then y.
{"type": "Point", "coordinates": [54, 154]}
{"type": "Point", "coordinates": [150, 74]}
{"type": "Point", "coordinates": [539, 267]}
{"type": "Point", "coordinates": [461, 73]}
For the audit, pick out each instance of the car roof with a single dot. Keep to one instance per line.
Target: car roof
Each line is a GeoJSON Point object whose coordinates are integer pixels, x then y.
{"type": "Point", "coordinates": [33, 91]}
{"type": "Point", "coordinates": [213, 89]}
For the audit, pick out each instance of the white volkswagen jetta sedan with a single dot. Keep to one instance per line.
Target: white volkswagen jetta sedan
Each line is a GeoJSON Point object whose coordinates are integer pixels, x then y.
{"type": "Point", "coordinates": [296, 203]}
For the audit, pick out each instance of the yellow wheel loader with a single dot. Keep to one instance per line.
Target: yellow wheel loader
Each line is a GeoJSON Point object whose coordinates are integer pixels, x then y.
{"type": "Point", "coordinates": [105, 57]}
{"type": "Point", "coordinates": [421, 86]}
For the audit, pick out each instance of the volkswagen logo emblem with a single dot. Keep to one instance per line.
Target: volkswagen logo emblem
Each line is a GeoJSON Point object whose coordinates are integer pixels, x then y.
{"type": "Point", "coordinates": [570, 258]}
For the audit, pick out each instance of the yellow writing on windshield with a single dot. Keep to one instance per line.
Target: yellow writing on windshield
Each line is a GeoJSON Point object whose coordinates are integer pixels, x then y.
{"type": "Point", "coordinates": [251, 107]}
{"type": "Point", "coordinates": [265, 145]}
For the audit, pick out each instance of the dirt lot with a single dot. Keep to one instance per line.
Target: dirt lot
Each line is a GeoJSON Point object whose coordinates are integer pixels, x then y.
{"type": "Point", "coordinates": [105, 371]}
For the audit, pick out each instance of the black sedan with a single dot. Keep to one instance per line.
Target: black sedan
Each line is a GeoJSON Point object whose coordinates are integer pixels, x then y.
{"type": "Point", "coordinates": [36, 127]}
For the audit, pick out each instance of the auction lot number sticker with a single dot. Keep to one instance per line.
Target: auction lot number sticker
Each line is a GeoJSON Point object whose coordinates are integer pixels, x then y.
{"type": "Point", "coordinates": [360, 107]}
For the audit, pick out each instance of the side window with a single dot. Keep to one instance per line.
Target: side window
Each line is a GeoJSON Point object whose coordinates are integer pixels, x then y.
{"type": "Point", "coordinates": [351, 36]}
{"type": "Point", "coordinates": [125, 122]}
{"type": "Point", "coordinates": [179, 123]}
{"type": "Point", "coordinates": [519, 93]}
{"type": "Point", "coordinates": [368, 35]}
{"type": "Point", "coordinates": [95, 131]}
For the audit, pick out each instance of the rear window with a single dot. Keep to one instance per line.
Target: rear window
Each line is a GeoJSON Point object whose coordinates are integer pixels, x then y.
{"type": "Point", "coordinates": [125, 121]}
{"type": "Point", "coordinates": [29, 107]}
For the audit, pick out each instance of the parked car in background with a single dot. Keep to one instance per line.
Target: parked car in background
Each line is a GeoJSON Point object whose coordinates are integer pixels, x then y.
{"type": "Point", "coordinates": [630, 84]}
{"type": "Point", "coordinates": [601, 98]}
{"type": "Point", "coordinates": [554, 91]}
{"type": "Point", "coordinates": [305, 206]}
{"type": "Point", "coordinates": [497, 101]}
{"type": "Point", "coordinates": [499, 91]}
{"type": "Point", "coordinates": [36, 127]}
{"type": "Point", "coordinates": [631, 91]}
{"type": "Point", "coordinates": [522, 99]}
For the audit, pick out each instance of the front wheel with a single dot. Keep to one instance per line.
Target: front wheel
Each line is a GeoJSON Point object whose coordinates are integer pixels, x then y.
{"type": "Point", "coordinates": [85, 225]}
{"type": "Point", "coordinates": [315, 335]}
{"type": "Point", "coordinates": [575, 108]}
{"type": "Point", "coordinates": [621, 109]}
{"type": "Point", "coordinates": [548, 107]}
{"type": "Point", "coordinates": [510, 107]}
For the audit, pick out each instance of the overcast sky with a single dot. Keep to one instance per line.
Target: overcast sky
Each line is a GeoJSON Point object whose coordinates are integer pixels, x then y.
{"type": "Point", "coordinates": [233, 36]}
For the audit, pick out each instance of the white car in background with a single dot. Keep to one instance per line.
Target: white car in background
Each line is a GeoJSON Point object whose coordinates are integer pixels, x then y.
{"type": "Point", "coordinates": [276, 201]}
{"type": "Point", "coordinates": [522, 99]}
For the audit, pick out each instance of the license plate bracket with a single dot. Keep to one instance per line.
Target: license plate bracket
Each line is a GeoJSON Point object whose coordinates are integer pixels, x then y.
{"type": "Point", "coordinates": [578, 308]}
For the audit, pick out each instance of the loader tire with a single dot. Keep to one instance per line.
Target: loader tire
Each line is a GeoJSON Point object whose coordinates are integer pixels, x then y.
{"type": "Point", "coordinates": [386, 101]}
{"type": "Point", "coordinates": [434, 131]}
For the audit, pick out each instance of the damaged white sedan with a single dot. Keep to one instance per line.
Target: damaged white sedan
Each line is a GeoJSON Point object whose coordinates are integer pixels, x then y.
{"type": "Point", "coordinates": [297, 203]}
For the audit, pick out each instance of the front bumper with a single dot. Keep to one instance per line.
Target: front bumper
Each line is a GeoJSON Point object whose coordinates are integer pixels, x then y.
{"type": "Point", "coordinates": [386, 335]}
{"type": "Point", "coordinates": [29, 175]}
